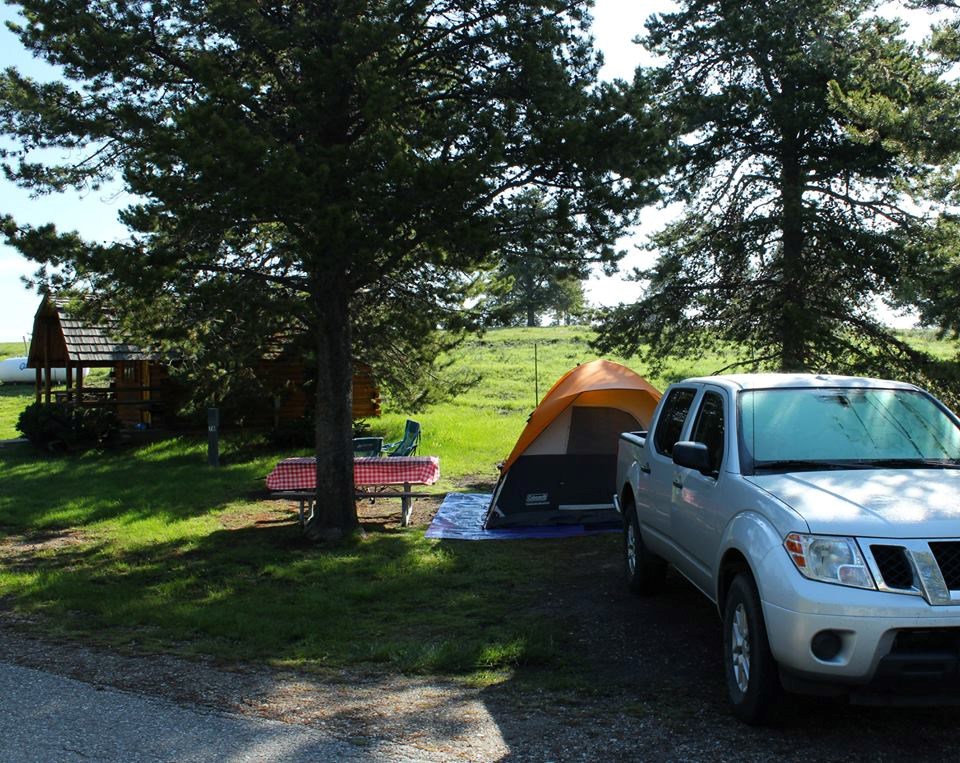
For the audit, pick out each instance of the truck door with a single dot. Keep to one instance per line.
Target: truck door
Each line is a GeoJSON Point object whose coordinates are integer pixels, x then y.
{"type": "Point", "coordinates": [657, 471]}
{"type": "Point", "coordinates": [697, 503]}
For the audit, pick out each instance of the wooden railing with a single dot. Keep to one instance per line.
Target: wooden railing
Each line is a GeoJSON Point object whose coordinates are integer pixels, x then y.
{"type": "Point", "coordinates": [94, 397]}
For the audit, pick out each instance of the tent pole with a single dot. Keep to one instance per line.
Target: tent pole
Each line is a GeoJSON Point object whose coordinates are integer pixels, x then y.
{"type": "Point", "coordinates": [536, 377]}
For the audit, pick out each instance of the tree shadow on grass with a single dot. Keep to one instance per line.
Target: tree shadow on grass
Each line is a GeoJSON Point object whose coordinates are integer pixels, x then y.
{"type": "Point", "coordinates": [17, 391]}
{"type": "Point", "coordinates": [262, 592]}
{"type": "Point", "coordinates": [168, 481]}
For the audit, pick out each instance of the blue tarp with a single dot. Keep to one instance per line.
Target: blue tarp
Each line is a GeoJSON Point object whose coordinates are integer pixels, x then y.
{"type": "Point", "coordinates": [461, 516]}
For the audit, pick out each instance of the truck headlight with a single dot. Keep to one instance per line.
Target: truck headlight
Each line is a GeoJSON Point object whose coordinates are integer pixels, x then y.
{"type": "Point", "coordinates": [829, 559]}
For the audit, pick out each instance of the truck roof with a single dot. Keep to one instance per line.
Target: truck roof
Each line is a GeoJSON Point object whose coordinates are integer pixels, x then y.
{"type": "Point", "coordinates": [771, 380]}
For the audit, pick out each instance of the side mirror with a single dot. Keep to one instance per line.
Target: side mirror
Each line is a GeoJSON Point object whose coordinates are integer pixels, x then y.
{"type": "Point", "coordinates": [692, 455]}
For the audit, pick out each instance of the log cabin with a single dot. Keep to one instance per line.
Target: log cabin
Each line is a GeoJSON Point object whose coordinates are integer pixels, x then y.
{"type": "Point", "coordinates": [142, 391]}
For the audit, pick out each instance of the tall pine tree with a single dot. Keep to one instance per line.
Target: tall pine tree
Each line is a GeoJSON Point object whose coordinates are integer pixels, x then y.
{"type": "Point", "coordinates": [794, 222]}
{"type": "Point", "coordinates": [929, 131]}
{"type": "Point", "coordinates": [541, 262]}
{"type": "Point", "coordinates": [318, 157]}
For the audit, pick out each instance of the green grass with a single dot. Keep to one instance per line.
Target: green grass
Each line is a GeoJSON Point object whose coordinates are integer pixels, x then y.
{"type": "Point", "coordinates": [926, 340]}
{"type": "Point", "coordinates": [11, 350]}
{"type": "Point", "coordinates": [150, 547]}
{"type": "Point", "coordinates": [13, 399]}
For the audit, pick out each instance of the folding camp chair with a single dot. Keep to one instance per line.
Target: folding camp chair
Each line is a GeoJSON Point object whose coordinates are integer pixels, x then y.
{"type": "Point", "coordinates": [408, 445]}
{"type": "Point", "coordinates": [367, 447]}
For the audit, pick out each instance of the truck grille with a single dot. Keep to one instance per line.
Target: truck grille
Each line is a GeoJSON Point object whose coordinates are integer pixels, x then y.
{"type": "Point", "coordinates": [947, 554]}
{"type": "Point", "coordinates": [927, 568]}
{"type": "Point", "coordinates": [894, 566]}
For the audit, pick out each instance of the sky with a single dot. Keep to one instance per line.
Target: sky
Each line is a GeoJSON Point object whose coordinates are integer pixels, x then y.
{"type": "Point", "coordinates": [94, 215]}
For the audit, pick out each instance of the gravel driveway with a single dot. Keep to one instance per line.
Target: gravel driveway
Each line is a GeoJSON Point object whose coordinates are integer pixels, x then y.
{"type": "Point", "coordinates": [658, 693]}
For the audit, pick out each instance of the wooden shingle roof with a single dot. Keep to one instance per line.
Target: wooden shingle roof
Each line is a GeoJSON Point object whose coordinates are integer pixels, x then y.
{"type": "Point", "coordinates": [93, 343]}
{"type": "Point", "coordinates": [64, 339]}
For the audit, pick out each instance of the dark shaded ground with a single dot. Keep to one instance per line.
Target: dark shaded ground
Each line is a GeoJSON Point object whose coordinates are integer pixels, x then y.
{"type": "Point", "coordinates": [656, 663]}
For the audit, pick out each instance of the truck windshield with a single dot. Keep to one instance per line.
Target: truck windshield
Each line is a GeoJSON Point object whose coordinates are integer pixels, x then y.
{"type": "Point", "coordinates": [821, 428]}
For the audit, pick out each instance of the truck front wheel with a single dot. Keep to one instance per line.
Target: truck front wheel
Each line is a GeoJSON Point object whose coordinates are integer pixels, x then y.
{"type": "Point", "coordinates": [645, 571]}
{"type": "Point", "coordinates": [753, 681]}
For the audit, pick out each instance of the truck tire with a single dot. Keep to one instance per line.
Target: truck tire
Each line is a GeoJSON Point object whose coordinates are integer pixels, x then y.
{"type": "Point", "coordinates": [753, 680]}
{"type": "Point", "coordinates": [645, 571]}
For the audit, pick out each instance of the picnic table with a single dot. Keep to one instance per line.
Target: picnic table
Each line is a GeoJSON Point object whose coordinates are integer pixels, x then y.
{"type": "Point", "coordinates": [294, 477]}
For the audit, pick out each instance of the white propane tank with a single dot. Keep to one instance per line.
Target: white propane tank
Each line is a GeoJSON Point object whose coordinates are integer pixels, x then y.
{"type": "Point", "coordinates": [15, 371]}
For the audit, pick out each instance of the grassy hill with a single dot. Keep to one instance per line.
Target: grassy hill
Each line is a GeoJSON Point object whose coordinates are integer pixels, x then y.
{"type": "Point", "coordinates": [927, 341]}
{"type": "Point", "coordinates": [11, 350]}
{"type": "Point", "coordinates": [477, 430]}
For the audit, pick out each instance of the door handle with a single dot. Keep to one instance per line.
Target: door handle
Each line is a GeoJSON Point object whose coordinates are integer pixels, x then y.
{"type": "Point", "coordinates": [645, 468]}
{"type": "Point", "coordinates": [677, 483]}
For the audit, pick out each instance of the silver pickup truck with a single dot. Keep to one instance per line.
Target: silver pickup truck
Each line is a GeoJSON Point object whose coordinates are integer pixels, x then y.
{"type": "Point", "coordinates": [821, 514]}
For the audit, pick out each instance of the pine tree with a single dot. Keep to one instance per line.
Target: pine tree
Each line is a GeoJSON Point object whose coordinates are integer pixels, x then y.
{"type": "Point", "coordinates": [316, 159]}
{"type": "Point", "coordinates": [542, 256]}
{"type": "Point", "coordinates": [795, 222]}
{"type": "Point", "coordinates": [929, 131]}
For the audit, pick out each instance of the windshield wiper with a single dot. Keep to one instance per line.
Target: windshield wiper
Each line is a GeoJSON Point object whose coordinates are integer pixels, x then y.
{"type": "Point", "coordinates": [809, 465]}
{"type": "Point", "coordinates": [914, 463]}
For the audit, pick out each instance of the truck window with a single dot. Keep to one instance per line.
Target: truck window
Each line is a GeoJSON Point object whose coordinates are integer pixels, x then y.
{"type": "Point", "coordinates": [670, 425]}
{"type": "Point", "coordinates": [709, 428]}
{"type": "Point", "coordinates": [861, 424]}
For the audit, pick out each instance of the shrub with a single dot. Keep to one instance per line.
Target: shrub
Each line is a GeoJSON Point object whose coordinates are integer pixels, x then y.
{"type": "Point", "coordinates": [60, 426]}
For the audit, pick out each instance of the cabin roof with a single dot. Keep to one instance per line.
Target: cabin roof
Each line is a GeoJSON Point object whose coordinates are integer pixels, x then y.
{"type": "Point", "coordinates": [74, 341]}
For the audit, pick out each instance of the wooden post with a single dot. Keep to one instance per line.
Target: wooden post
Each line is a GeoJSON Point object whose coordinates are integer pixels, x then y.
{"type": "Point", "coordinates": [69, 369]}
{"type": "Point", "coordinates": [46, 364]}
{"type": "Point", "coordinates": [145, 416]}
{"type": "Point", "coordinates": [39, 383]}
{"type": "Point", "coordinates": [80, 384]}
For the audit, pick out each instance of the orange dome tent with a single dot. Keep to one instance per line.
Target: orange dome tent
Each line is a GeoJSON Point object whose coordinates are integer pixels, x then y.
{"type": "Point", "coordinates": [563, 467]}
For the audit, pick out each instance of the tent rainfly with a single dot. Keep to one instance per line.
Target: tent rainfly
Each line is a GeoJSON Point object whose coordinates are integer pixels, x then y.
{"type": "Point", "coordinates": [563, 468]}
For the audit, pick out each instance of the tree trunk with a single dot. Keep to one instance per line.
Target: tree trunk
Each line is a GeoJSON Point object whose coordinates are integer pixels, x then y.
{"type": "Point", "coordinates": [793, 317]}
{"type": "Point", "coordinates": [531, 317]}
{"type": "Point", "coordinates": [335, 514]}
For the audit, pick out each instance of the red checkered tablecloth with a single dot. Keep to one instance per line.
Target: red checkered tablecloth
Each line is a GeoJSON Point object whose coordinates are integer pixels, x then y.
{"type": "Point", "coordinates": [300, 473]}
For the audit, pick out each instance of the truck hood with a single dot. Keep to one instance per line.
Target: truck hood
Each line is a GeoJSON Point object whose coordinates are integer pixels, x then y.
{"type": "Point", "coordinates": [879, 503]}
